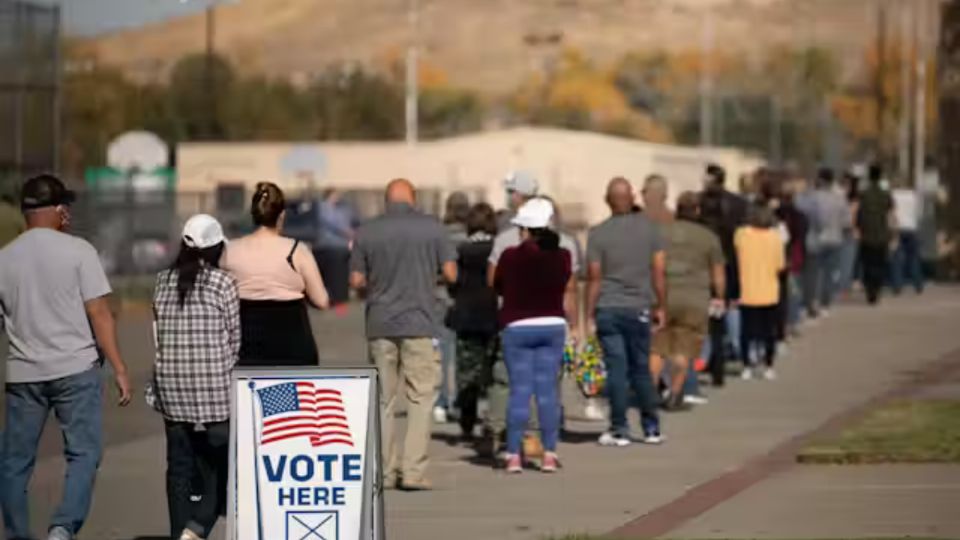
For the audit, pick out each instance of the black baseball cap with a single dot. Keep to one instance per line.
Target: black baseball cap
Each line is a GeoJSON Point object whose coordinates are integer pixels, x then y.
{"type": "Point", "coordinates": [43, 191]}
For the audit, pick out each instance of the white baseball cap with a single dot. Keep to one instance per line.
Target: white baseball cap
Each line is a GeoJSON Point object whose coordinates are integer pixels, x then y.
{"type": "Point", "coordinates": [521, 182]}
{"type": "Point", "coordinates": [534, 214]}
{"type": "Point", "coordinates": [202, 231]}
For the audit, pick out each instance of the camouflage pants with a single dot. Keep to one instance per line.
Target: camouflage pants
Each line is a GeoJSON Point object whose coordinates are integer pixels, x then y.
{"type": "Point", "coordinates": [475, 356]}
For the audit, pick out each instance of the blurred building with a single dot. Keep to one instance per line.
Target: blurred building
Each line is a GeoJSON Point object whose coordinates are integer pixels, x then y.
{"type": "Point", "coordinates": [29, 89]}
{"type": "Point", "coordinates": [573, 168]}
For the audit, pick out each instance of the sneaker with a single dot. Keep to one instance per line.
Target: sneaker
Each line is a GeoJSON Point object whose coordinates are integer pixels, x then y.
{"type": "Point", "coordinates": [614, 439]}
{"type": "Point", "coordinates": [769, 374]}
{"type": "Point", "coordinates": [653, 437]}
{"type": "Point", "coordinates": [419, 485]}
{"type": "Point", "coordinates": [746, 374]}
{"type": "Point", "coordinates": [439, 415]}
{"type": "Point", "coordinates": [59, 533]}
{"type": "Point", "coordinates": [514, 464]}
{"type": "Point", "coordinates": [550, 462]}
{"type": "Point", "coordinates": [693, 399]}
{"type": "Point", "coordinates": [187, 534]}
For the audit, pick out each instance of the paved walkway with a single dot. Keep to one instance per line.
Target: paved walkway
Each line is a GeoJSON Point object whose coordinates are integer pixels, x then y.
{"type": "Point", "coordinates": [855, 355]}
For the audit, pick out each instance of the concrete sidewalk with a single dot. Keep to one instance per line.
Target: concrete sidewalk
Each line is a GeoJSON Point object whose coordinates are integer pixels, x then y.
{"type": "Point", "coordinates": [858, 353]}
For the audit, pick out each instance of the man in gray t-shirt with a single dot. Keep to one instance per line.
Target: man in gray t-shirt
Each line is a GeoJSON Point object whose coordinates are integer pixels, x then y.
{"type": "Point", "coordinates": [626, 264]}
{"type": "Point", "coordinates": [397, 258]}
{"type": "Point", "coordinates": [53, 300]}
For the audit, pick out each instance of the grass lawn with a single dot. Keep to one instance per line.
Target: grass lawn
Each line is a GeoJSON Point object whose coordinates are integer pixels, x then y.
{"type": "Point", "coordinates": [900, 432]}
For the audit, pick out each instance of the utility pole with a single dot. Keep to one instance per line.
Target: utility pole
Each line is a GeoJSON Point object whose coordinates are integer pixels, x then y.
{"type": "Point", "coordinates": [881, 97]}
{"type": "Point", "coordinates": [208, 82]}
{"type": "Point", "coordinates": [706, 77]}
{"type": "Point", "coordinates": [906, 99]}
{"type": "Point", "coordinates": [412, 90]}
{"type": "Point", "coordinates": [919, 122]}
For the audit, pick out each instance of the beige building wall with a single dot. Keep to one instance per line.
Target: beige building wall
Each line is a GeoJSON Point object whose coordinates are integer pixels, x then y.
{"type": "Point", "coordinates": [573, 167]}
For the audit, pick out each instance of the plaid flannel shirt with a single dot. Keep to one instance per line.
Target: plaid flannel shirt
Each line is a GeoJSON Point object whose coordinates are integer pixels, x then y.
{"type": "Point", "coordinates": [197, 347]}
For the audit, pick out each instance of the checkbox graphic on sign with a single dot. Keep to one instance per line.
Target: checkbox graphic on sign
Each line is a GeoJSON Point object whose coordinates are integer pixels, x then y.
{"type": "Point", "coordinates": [313, 525]}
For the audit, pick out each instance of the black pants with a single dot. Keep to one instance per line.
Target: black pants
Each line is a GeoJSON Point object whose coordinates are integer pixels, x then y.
{"type": "Point", "coordinates": [759, 328]}
{"type": "Point", "coordinates": [334, 266]}
{"type": "Point", "coordinates": [873, 259]}
{"type": "Point", "coordinates": [783, 308]}
{"type": "Point", "coordinates": [718, 350]}
{"type": "Point", "coordinates": [204, 453]}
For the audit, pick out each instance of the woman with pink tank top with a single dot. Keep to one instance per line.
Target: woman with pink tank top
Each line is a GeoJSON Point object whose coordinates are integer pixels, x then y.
{"type": "Point", "coordinates": [276, 276]}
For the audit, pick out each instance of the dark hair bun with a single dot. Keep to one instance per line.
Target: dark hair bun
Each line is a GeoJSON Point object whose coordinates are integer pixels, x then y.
{"type": "Point", "coordinates": [267, 204]}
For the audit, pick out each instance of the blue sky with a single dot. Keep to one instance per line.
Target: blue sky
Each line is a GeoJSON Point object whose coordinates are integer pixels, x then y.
{"type": "Point", "coordinates": [94, 16]}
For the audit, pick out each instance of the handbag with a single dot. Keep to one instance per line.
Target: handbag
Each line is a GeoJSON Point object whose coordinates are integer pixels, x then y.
{"type": "Point", "coordinates": [587, 367]}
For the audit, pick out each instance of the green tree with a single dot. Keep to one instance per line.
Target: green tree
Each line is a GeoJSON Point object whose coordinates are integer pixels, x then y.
{"type": "Point", "coordinates": [261, 109]}
{"type": "Point", "coordinates": [447, 111]}
{"type": "Point", "coordinates": [96, 107]}
{"type": "Point", "coordinates": [353, 104]}
{"type": "Point", "coordinates": [200, 92]}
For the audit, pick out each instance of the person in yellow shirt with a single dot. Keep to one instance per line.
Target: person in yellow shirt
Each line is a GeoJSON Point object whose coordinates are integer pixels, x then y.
{"type": "Point", "coordinates": [760, 254]}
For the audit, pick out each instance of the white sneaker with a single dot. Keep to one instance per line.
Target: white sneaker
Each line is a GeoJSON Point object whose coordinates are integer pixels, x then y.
{"type": "Point", "coordinates": [187, 534]}
{"type": "Point", "coordinates": [769, 374]}
{"type": "Point", "coordinates": [613, 439]}
{"type": "Point", "coordinates": [693, 399]}
{"type": "Point", "coordinates": [746, 374]}
{"type": "Point", "coordinates": [439, 415]}
{"type": "Point", "coordinates": [653, 438]}
{"type": "Point", "coordinates": [59, 533]}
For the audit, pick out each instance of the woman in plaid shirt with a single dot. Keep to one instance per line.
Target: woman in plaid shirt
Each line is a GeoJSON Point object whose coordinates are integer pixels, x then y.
{"type": "Point", "coordinates": [197, 324]}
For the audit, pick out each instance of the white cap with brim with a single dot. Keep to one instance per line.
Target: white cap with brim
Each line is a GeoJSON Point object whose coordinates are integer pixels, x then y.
{"type": "Point", "coordinates": [534, 214]}
{"type": "Point", "coordinates": [202, 231]}
{"type": "Point", "coordinates": [521, 182]}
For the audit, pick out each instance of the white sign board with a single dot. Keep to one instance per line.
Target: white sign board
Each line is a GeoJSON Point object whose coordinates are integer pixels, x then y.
{"type": "Point", "coordinates": [305, 455]}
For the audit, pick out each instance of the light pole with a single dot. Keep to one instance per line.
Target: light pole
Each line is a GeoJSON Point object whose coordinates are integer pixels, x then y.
{"type": "Point", "coordinates": [706, 78]}
{"type": "Point", "coordinates": [412, 69]}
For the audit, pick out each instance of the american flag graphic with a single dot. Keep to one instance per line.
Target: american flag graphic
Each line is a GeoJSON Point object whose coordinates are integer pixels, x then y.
{"type": "Point", "coordinates": [300, 409]}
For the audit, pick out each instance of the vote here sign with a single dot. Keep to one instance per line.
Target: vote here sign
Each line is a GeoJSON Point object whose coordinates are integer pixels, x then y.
{"type": "Point", "coordinates": [301, 465]}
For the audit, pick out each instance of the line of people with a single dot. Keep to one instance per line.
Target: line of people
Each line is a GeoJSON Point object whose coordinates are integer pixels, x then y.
{"type": "Point", "coordinates": [720, 278]}
{"type": "Point", "coordinates": [215, 308]}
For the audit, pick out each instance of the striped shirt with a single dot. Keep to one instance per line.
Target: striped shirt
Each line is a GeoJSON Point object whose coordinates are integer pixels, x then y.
{"type": "Point", "coordinates": [197, 347]}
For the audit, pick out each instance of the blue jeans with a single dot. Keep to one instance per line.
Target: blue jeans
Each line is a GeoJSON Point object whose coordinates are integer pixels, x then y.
{"type": "Point", "coordinates": [907, 263]}
{"type": "Point", "coordinates": [448, 366]}
{"type": "Point", "coordinates": [624, 335]}
{"type": "Point", "coordinates": [848, 262]}
{"type": "Point", "coordinates": [76, 401]}
{"type": "Point", "coordinates": [828, 275]}
{"type": "Point", "coordinates": [533, 355]}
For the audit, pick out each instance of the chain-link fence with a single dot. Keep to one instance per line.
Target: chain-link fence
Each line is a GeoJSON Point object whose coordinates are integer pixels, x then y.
{"type": "Point", "coordinates": [29, 90]}
{"type": "Point", "coordinates": [137, 232]}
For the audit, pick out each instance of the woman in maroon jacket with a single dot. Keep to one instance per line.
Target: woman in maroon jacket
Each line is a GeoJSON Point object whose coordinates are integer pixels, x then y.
{"type": "Point", "coordinates": [532, 278]}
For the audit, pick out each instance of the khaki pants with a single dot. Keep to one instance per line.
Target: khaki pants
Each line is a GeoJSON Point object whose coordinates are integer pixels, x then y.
{"type": "Point", "coordinates": [413, 365]}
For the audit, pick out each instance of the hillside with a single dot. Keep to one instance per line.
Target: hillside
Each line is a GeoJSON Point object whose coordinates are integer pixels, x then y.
{"type": "Point", "coordinates": [479, 43]}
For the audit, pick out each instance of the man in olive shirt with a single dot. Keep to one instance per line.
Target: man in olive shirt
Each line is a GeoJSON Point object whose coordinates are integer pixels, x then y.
{"type": "Point", "coordinates": [397, 258]}
{"type": "Point", "coordinates": [696, 277]}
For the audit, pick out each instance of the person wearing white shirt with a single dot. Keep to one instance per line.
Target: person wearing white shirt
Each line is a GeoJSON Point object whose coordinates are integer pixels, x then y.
{"type": "Point", "coordinates": [907, 264]}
